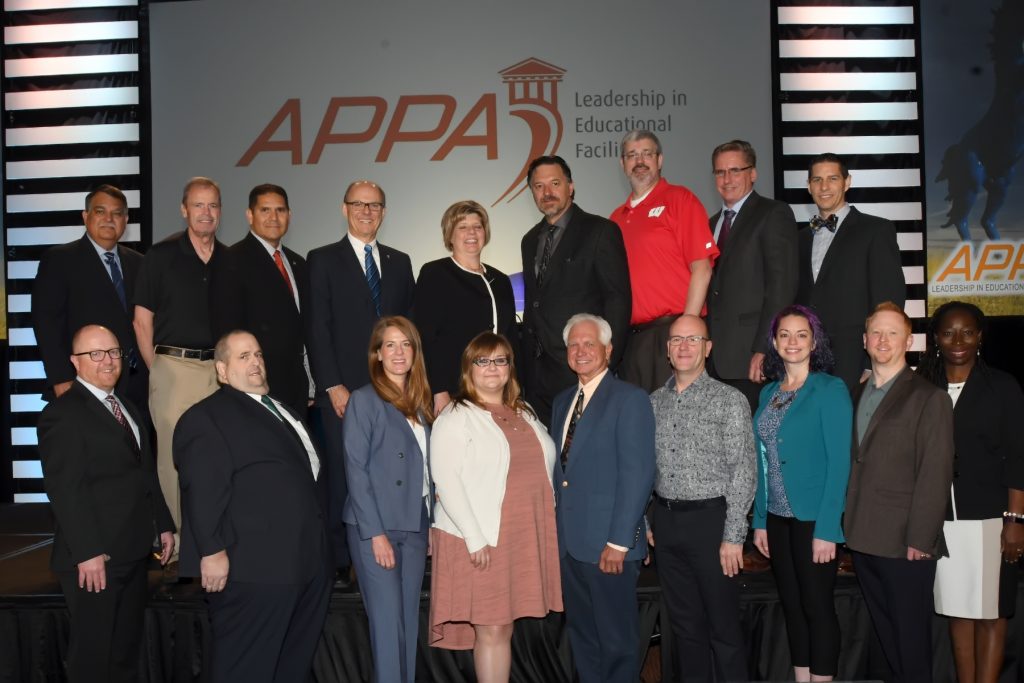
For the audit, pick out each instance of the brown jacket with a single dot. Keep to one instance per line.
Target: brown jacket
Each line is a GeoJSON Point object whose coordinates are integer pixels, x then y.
{"type": "Point", "coordinates": [901, 472]}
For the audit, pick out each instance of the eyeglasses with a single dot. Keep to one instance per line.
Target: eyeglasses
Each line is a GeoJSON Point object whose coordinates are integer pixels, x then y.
{"type": "Point", "coordinates": [374, 207]}
{"type": "Point", "coordinates": [646, 155]}
{"type": "Point", "coordinates": [731, 172]}
{"type": "Point", "coordinates": [499, 362]}
{"type": "Point", "coordinates": [692, 340]}
{"type": "Point", "coordinates": [97, 356]}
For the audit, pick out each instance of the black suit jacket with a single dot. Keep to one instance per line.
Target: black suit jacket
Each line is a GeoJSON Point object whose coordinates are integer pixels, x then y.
{"type": "Point", "coordinates": [451, 307]}
{"type": "Point", "coordinates": [248, 293]}
{"type": "Point", "coordinates": [247, 487]}
{"type": "Point", "coordinates": [341, 313]}
{"type": "Point", "coordinates": [588, 273]}
{"type": "Point", "coordinates": [754, 278]}
{"type": "Point", "coordinates": [73, 289]}
{"type": "Point", "coordinates": [862, 268]}
{"type": "Point", "coordinates": [104, 498]}
{"type": "Point", "coordinates": [989, 443]}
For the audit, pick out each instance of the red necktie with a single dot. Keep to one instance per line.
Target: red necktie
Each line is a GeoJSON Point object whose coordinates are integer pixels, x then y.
{"type": "Point", "coordinates": [284, 271]}
{"type": "Point", "coordinates": [115, 407]}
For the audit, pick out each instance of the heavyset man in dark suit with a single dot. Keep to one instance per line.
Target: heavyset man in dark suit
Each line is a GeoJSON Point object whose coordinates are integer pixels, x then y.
{"type": "Point", "coordinates": [573, 262]}
{"type": "Point", "coordinates": [263, 286]}
{"type": "Point", "coordinates": [756, 273]}
{"type": "Point", "coordinates": [253, 522]}
{"type": "Point", "coordinates": [849, 263]}
{"type": "Point", "coordinates": [354, 281]}
{"type": "Point", "coordinates": [98, 471]}
{"type": "Point", "coordinates": [900, 476]}
{"type": "Point", "coordinates": [604, 429]}
{"type": "Point", "coordinates": [90, 281]}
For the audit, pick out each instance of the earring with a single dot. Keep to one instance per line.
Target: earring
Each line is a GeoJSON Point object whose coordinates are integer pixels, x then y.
{"type": "Point", "coordinates": [937, 353]}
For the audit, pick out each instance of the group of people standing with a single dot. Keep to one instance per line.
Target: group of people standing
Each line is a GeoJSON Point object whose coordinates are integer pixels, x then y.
{"type": "Point", "coordinates": [316, 414]}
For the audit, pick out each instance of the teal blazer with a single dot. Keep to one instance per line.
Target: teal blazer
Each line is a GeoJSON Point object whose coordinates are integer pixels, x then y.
{"type": "Point", "coordinates": [814, 453]}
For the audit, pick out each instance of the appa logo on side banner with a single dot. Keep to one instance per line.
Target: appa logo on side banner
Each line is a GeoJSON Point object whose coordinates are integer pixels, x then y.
{"type": "Point", "coordinates": [532, 97]}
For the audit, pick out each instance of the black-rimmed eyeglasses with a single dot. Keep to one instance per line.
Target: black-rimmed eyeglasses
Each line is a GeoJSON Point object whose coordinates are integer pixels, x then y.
{"type": "Point", "coordinates": [97, 355]}
{"type": "Point", "coordinates": [499, 362]}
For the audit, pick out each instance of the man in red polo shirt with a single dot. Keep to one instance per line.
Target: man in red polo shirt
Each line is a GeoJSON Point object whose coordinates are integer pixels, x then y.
{"type": "Point", "coordinates": [670, 251]}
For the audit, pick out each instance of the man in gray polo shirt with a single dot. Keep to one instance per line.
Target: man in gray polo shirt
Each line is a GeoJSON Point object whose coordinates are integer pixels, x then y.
{"type": "Point", "coordinates": [706, 474]}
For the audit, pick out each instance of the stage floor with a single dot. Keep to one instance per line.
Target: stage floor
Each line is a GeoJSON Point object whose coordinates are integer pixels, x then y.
{"type": "Point", "coordinates": [33, 627]}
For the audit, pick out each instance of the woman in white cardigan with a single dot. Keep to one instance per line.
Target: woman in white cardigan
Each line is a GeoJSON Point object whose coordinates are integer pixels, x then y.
{"type": "Point", "coordinates": [495, 548]}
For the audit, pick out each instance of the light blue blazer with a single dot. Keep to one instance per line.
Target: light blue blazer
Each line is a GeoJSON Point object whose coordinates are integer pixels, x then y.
{"type": "Point", "coordinates": [383, 467]}
{"type": "Point", "coordinates": [814, 454]}
{"type": "Point", "coordinates": [600, 498]}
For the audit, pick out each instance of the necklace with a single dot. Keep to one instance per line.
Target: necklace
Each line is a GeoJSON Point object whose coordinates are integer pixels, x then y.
{"type": "Point", "coordinates": [498, 416]}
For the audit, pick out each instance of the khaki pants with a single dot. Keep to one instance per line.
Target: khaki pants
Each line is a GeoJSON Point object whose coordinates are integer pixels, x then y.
{"type": "Point", "coordinates": [175, 385]}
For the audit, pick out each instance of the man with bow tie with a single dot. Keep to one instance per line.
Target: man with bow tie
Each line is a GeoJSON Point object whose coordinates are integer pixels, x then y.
{"type": "Point", "coordinates": [849, 263]}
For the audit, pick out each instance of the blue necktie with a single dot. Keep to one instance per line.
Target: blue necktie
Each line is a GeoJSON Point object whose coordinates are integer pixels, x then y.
{"type": "Point", "coordinates": [115, 276]}
{"type": "Point", "coordinates": [372, 277]}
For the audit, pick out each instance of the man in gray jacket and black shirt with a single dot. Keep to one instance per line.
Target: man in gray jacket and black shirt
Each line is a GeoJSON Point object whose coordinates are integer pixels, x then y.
{"type": "Point", "coordinates": [706, 474]}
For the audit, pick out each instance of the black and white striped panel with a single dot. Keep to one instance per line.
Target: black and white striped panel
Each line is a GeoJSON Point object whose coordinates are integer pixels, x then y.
{"type": "Point", "coordinates": [72, 120]}
{"type": "Point", "coordinates": [848, 81]}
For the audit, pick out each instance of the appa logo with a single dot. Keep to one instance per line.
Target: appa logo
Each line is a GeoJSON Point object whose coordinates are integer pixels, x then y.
{"type": "Point", "coordinates": [532, 97]}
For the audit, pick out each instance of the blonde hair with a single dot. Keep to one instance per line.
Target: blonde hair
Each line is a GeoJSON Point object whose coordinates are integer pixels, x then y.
{"type": "Point", "coordinates": [455, 213]}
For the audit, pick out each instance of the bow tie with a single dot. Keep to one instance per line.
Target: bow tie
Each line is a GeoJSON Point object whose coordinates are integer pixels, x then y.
{"type": "Point", "coordinates": [817, 223]}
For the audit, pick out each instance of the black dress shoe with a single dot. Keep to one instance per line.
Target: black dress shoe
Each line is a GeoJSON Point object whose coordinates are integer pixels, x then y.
{"type": "Point", "coordinates": [345, 578]}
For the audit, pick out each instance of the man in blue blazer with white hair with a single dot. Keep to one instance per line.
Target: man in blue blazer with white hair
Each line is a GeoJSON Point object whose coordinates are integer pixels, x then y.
{"type": "Point", "coordinates": [604, 431]}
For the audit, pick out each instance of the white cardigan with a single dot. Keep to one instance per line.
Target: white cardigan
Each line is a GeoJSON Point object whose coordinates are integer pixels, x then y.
{"type": "Point", "coordinates": [469, 459]}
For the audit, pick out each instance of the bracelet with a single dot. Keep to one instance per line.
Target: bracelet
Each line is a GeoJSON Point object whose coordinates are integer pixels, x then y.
{"type": "Point", "coordinates": [1015, 517]}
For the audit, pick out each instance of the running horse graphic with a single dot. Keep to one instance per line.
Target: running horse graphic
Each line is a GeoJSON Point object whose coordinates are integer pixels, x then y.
{"type": "Point", "coordinates": [986, 155]}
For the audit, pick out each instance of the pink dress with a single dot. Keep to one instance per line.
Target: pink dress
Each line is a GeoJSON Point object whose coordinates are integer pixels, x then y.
{"type": "Point", "coordinates": [523, 577]}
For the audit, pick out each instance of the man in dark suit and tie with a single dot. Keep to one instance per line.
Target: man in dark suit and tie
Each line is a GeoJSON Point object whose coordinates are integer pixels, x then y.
{"type": "Point", "coordinates": [849, 263]}
{"type": "Point", "coordinates": [90, 281]}
{"type": "Point", "coordinates": [99, 473]}
{"type": "Point", "coordinates": [900, 476]}
{"type": "Point", "coordinates": [263, 286]}
{"type": "Point", "coordinates": [354, 282]}
{"type": "Point", "coordinates": [604, 429]}
{"type": "Point", "coordinates": [573, 262]}
{"type": "Point", "coordinates": [756, 273]}
{"type": "Point", "coordinates": [253, 522]}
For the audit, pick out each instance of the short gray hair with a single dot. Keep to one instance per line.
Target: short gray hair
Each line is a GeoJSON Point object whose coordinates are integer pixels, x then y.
{"type": "Point", "coordinates": [641, 134]}
{"type": "Point", "coordinates": [604, 330]}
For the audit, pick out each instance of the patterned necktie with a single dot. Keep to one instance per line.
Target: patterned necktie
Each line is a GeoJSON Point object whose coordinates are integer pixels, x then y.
{"type": "Point", "coordinates": [545, 256]}
{"type": "Point", "coordinates": [576, 413]}
{"type": "Point", "coordinates": [372, 277]}
{"type": "Point", "coordinates": [116, 278]}
{"type": "Point", "coordinates": [279, 262]}
{"type": "Point", "coordinates": [723, 234]}
{"type": "Point", "coordinates": [115, 407]}
{"type": "Point", "coordinates": [817, 223]}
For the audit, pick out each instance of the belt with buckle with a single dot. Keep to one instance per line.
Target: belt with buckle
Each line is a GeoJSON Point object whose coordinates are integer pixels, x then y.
{"type": "Point", "coordinates": [179, 352]}
{"type": "Point", "coordinates": [688, 505]}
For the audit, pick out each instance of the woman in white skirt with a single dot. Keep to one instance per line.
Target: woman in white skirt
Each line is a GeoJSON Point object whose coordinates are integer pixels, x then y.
{"type": "Point", "coordinates": [988, 484]}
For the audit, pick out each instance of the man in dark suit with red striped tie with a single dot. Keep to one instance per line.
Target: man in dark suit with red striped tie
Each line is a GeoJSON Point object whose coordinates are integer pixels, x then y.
{"type": "Point", "coordinates": [100, 474]}
{"type": "Point", "coordinates": [263, 286]}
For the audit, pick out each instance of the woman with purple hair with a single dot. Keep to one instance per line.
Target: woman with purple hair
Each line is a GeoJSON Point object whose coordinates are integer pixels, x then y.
{"type": "Point", "coordinates": [803, 428]}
